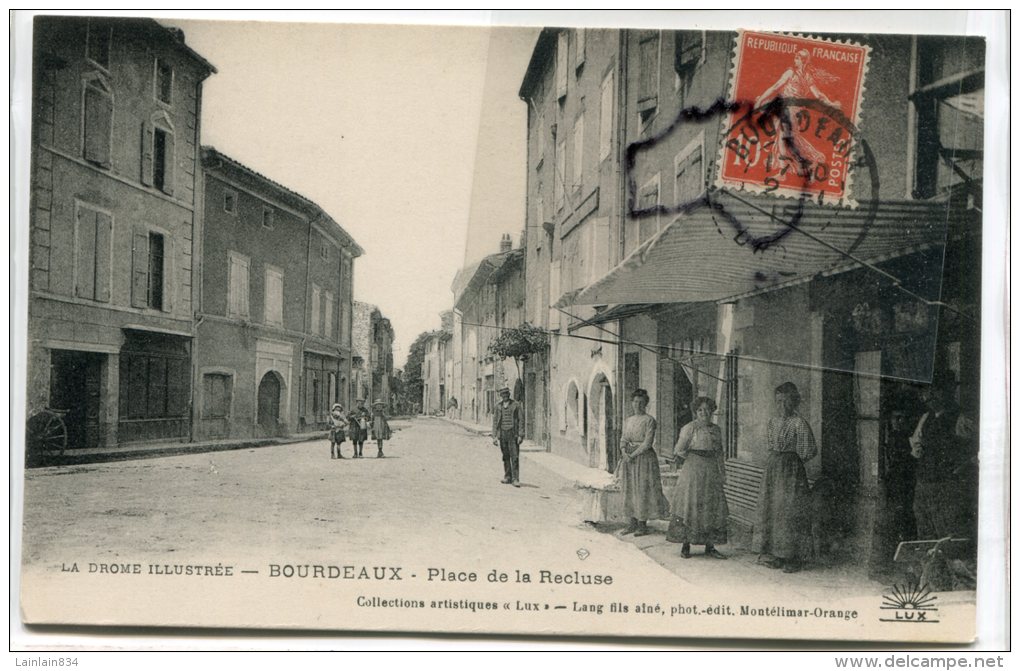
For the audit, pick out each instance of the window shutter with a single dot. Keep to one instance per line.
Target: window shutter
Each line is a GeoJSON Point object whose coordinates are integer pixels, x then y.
{"type": "Point", "coordinates": [85, 281]}
{"type": "Point", "coordinates": [315, 310]}
{"type": "Point", "coordinates": [687, 52]}
{"type": "Point", "coordinates": [98, 126]}
{"type": "Point", "coordinates": [561, 65]}
{"type": "Point", "coordinates": [648, 76]}
{"type": "Point", "coordinates": [554, 294]}
{"type": "Point", "coordinates": [168, 274]}
{"type": "Point", "coordinates": [146, 175]}
{"type": "Point", "coordinates": [104, 229]}
{"type": "Point", "coordinates": [168, 165]}
{"type": "Point", "coordinates": [139, 268]}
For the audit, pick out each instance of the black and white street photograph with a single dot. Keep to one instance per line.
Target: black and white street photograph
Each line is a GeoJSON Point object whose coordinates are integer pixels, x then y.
{"type": "Point", "coordinates": [638, 325]}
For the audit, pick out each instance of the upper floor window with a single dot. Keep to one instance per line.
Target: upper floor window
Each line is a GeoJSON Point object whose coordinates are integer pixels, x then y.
{"type": "Point", "coordinates": [274, 296]}
{"type": "Point", "coordinates": [164, 82]}
{"type": "Point", "coordinates": [229, 202]}
{"type": "Point", "coordinates": [151, 280]}
{"type": "Point", "coordinates": [580, 42]}
{"type": "Point", "coordinates": [156, 258]}
{"type": "Point", "coordinates": [237, 288]}
{"type": "Point", "coordinates": [158, 153]}
{"type": "Point", "coordinates": [268, 217]}
{"type": "Point", "coordinates": [92, 241]}
{"type": "Point", "coordinates": [648, 74]}
{"type": "Point", "coordinates": [540, 131]}
{"type": "Point", "coordinates": [316, 307]}
{"type": "Point", "coordinates": [688, 54]}
{"type": "Point", "coordinates": [648, 204]}
{"type": "Point", "coordinates": [324, 251]}
{"type": "Point", "coordinates": [560, 176]}
{"type": "Point", "coordinates": [578, 152]}
{"type": "Point", "coordinates": [327, 314]}
{"type": "Point", "coordinates": [561, 65]}
{"type": "Point", "coordinates": [98, 41]}
{"type": "Point", "coordinates": [606, 108]}
{"type": "Point", "coordinates": [949, 101]}
{"type": "Point", "coordinates": [690, 171]}
{"type": "Point", "coordinates": [97, 121]}
{"type": "Point", "coordinates": [162, 150]}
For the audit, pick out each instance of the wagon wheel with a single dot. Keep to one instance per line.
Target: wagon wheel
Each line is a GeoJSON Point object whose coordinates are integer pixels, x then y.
{"type": "Point", "coordinates": [45, 435]}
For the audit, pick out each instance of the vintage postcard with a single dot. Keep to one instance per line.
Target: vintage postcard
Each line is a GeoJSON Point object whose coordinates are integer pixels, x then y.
{"type": "Point", "coordinates": [544, 330]}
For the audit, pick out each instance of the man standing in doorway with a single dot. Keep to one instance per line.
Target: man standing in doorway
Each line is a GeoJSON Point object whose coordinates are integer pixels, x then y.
{"type": "Point", "coordinates": [508, 432]}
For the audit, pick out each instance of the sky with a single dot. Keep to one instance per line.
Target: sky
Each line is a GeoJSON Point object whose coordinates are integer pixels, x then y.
{"type": "Point", "coordinates": [411, 137]}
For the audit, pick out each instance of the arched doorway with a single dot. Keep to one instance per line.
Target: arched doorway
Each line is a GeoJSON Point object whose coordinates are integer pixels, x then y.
{"type": "Point", "coordinates": [269, 403]}
{"type": "Point", "coordinates": [602, 421]}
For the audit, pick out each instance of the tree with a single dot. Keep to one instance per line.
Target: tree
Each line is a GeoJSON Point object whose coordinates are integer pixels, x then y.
{"type": "Point", "coordinates": [413, 384]}
{"type": "Point", "coordinates": [519, 344]}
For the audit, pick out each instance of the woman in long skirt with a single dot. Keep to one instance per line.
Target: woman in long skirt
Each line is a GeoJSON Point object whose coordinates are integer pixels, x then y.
{"type": "Point", "coordinates": [781, 532]}
{"type": "Point", "coordinates": [380, 426]}
{"type": "Point", "coordinates": [698, 502]}
{"type": "Point", "coordinates": [638, 470]}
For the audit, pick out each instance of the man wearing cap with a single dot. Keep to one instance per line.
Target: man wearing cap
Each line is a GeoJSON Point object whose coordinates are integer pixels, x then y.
{"type": "Point", "coordinates": [359, 419]}
{"type": "Point", "coordinates": [508, 432]}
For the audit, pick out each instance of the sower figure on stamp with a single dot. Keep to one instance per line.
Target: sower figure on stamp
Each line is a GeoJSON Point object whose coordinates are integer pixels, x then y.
{"type": "Point", "coordinates": [359, 420]}
{"type": "Point", "coordinates": [508, 432]}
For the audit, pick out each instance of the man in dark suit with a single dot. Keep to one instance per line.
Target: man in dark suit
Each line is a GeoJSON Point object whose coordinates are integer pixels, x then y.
{"type": "Point", "coordinates": [508, 432]}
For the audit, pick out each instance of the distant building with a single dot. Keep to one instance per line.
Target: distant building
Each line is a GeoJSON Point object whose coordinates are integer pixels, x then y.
{"type": "Point", "coordinates": [373, 355]}
{"type": "Point", "coordinates": [273, 350]}
{"type": "Point", "coordinates": [436, 369]}
{"type": "Point", "coordinates": [488, 297]}
{"type": "Point", "coordinates": [114, 228]}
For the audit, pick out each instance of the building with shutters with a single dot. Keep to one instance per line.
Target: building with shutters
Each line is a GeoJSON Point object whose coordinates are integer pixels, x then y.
{"type": "Point", "coordinates": [716, 289]}
{"type": "Point", "coordinates": [573, 91]}
{"type": "Point", "coordinates": [437, 370]}
{"type": "Point", "coordinates": [115, 162]}
{"type": "Point", "coordinates": [373, 355]}
{"type": "Point", "coordinates": [274, 321]}
{"type": "Point", "coordinates": [488, 298]}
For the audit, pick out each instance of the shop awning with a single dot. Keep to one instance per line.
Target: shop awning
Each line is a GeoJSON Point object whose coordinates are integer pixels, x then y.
{"type": "Point", "coordinates": [732, 247]}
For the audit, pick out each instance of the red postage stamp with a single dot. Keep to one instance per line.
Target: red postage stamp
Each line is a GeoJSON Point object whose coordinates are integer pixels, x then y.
{"type": "Point", "coordinates": [797, 107]}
